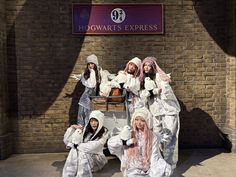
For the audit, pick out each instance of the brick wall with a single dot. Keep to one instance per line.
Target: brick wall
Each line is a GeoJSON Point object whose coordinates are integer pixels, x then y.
{"type": "Point", "coordinates": [42, 53]}
{"type": "Point", "coordinates": [3, 87]}
{"type": "Point", "coordinates": [230, 128]}
{"type": "Point", "coordinates": [5, 136]}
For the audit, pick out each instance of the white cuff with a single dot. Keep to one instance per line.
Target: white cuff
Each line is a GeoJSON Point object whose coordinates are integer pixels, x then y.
{"type": "Point", "coordinates": [130, 142]}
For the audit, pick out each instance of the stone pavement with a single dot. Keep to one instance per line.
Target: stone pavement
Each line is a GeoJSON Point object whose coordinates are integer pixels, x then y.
{"type": "Point", "coordinates": [192, 163]}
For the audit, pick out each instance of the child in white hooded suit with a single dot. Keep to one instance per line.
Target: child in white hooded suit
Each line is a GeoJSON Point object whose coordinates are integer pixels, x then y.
{"type": "Point", "coordinates": [138, 152]}
{"type": "Point", "coordinates": [159, 97]}
{"type": "Point", "coordinates": [91, 78]}
{"type": "Point", "coordinates": [86, 153]}
{"type": "Point", "coordinates": [129, 80]}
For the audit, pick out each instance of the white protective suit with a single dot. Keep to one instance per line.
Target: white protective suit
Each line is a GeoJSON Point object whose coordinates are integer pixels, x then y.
{"type": "Point", "coordinates": [165, 107]}
{"type": "Point", "coordinates": [134, 167]}
{"type": "Point", "coordinates": [90, 90]}
{"type": "Point", "coordinates": [132, 86]}
{"type": "Point", "coordinates": [86, 156]}
{"type": "Point", "coordinates": [131, 83]}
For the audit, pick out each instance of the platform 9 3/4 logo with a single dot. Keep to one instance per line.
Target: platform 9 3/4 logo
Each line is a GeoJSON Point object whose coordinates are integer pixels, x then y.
{"type": "Point", "coordinates": [118, 15]}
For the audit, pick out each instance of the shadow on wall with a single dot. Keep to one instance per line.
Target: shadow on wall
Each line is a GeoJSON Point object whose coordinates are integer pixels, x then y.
{"type": "Point", "coordinates": [12, 73]}
{"type": "Point", "coordinates": [198, 130]}
{"type": "Point", "coordinates": [213, 16]}
{"type": "Point", "coordinates": [75, 96]}
{"type": "Point", "coordinates": [42, 52]}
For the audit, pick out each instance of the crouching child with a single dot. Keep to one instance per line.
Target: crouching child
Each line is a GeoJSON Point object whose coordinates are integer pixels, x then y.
{"type": "Point", "coordinates": [139, 152]}
{"type": "Point", "coordinates": [86, 147]}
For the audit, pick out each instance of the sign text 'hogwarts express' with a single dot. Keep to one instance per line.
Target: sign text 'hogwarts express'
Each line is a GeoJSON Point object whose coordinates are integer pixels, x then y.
{"type": "Point", "coordinates": [117, 19]}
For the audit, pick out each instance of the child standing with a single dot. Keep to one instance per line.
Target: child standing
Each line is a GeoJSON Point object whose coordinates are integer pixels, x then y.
{"type": "Point", "coordinates": [159, 97]}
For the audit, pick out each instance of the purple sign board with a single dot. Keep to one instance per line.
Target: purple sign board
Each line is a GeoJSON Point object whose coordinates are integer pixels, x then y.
{"type": "Point", "coordinates": [117, 19]}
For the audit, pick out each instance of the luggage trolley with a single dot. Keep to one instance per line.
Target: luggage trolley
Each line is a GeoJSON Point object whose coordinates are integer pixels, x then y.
{"type": "Point", "coordinates": [115, 109]}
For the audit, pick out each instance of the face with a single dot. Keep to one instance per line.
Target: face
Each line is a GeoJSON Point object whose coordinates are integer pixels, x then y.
{"type": "Point", "coordinates": [94, 124]}
{"type": "Point", "coordinates": [147, 67]}
{"type": "Point", "coordinates": [139, 123]}
{"type": "Point", "coordinates": [132, 68]}
{"type": "Point", "coordinates": [91, 65]}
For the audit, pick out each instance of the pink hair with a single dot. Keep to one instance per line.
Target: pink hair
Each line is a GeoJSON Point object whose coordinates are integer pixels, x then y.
{"type": "Point", "coordinates": [133, 151]}
{"type": "Point", "coordinates": [156, 69]}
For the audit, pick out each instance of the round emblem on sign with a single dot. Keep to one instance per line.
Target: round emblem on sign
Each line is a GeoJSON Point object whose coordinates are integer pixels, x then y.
{"type": "Point", "coordinates": [118, 15]}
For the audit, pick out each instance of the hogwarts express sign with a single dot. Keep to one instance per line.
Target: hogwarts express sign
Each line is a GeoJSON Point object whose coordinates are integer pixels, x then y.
{"type": "Point", "coordinates": [102, 19]}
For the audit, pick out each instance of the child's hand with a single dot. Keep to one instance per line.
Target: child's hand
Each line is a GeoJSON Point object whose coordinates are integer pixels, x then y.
{"type": "Point", "coordinates": [130, 142]}
{"type": "Point", "coordinates": [91, 70]}
{"type": "Point", "coordinates": [157, 91]}
{"type": "Point", "coordinates": [76, 76]}
{"type": "Point", "coordinates": [68, 147]}
{"type": "Point", "coordinates": [75, 126]}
